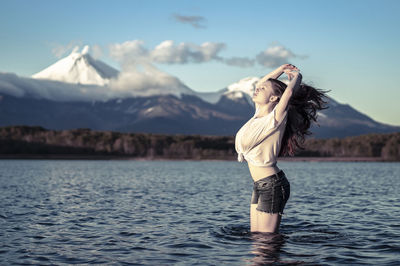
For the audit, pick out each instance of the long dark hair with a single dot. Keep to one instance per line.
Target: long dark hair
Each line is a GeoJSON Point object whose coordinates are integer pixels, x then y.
{"type": "Point", "coordinates": [302, 110]}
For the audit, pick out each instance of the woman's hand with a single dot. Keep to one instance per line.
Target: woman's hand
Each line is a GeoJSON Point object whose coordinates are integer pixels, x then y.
{"type": "Point", "coordinates": [292, 74]}
{"type": "Point", "coordinates": [277, 72]}
{"type": "Point", "coordinates": [288, 67]}
{"type": "Point", "coordinates": [290, 70]}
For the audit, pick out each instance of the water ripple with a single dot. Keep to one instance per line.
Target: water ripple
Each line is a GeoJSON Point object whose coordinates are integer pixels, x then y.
{"type": "Point", "coordinates": [190, 212]}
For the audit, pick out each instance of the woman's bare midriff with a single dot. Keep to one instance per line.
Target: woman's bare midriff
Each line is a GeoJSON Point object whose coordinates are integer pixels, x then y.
{"type": "Point", "coordinates": [258, 172]}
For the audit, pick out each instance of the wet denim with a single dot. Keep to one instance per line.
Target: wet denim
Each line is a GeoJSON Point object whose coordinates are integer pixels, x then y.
{"type": "Point", "coordinates": [271, 193]}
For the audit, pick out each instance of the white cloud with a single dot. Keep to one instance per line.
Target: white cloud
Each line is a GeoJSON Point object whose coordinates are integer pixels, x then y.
{"type": "Point", "coordinates": [146, 82]}
{"type": "Point", "coordinates": [139, 76]}
{"type": "Point", "coordinates": [275, 56]}
{"type": "Point", "coordinates": [129, 53]}
{"type": "Point", "coordinates": [134, 52]}
{"type": "Point", "coordinates": [169, 53]}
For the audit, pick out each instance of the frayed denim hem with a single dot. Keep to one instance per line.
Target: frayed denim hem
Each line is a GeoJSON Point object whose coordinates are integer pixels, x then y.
{"type": "Point", "coordinates": [271, 212]}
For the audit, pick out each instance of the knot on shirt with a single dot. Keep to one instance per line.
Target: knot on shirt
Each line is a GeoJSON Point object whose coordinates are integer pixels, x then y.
{"type": "Point", "coordinates": [240, 157]}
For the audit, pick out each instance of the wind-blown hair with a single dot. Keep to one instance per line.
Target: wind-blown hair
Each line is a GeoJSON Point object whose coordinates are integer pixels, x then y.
{"type": "Point", "coordinates": [301, 111]}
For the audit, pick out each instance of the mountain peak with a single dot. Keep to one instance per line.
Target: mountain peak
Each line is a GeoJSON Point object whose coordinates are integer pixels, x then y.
{"type": "Point", "coordinates": [79, 68]}
{"type": "Point", "coordinates": [85, 49]}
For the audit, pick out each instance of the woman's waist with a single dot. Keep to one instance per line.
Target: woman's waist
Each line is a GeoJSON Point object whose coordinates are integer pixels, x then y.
{"type": "Point", "coordinates": [271, 181]}
{"type": "Point", "coordinates": [259, 172]}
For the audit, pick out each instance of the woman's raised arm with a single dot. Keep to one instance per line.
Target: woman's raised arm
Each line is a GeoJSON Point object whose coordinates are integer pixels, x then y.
{"type": "Point", "coordinates": [277, 72]}
{"type": "Point", "coordinates": [295, 81]}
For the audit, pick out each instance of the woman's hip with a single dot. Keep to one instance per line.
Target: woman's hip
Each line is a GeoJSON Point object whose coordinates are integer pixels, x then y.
{"type": "Point", "coordinates": [271, 193]}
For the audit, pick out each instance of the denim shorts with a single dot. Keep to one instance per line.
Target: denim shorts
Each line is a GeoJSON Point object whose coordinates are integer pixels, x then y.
{"type": "Point", "coordinates": [271, 193]}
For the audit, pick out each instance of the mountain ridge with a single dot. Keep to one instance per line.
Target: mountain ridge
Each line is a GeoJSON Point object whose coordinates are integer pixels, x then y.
{"type": "Point", "coordinates": [176, 110]}
{"type": "Point", "coordinates": [166, 114]}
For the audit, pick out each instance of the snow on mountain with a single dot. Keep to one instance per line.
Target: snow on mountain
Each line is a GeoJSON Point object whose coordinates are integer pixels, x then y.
{"type": "Point", "coordinates": [242, 88]}
{"type": "Point", "coordinates": [79, 68]}
{"type": "Point", "coordinates": [245, 85]}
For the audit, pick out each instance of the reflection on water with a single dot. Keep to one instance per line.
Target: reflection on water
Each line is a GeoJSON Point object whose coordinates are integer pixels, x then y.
{"type": "Point", "coordinates": [194, 212]}
{"type": "Point", "coordinates": [266, 248]}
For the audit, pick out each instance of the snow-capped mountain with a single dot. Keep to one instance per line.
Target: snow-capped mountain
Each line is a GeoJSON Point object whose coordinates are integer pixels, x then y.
{"type": "Point", "coordinates": [244, 88]}
{"type": "Point", "coordinates": [79, 68]}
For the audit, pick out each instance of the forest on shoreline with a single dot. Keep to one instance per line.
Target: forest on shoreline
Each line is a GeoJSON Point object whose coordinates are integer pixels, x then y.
{"type": "Point", "coordinates": [31, 141]}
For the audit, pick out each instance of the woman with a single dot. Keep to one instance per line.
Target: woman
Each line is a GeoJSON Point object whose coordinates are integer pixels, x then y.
{"type": "Point", "coordinates": [282, 119]}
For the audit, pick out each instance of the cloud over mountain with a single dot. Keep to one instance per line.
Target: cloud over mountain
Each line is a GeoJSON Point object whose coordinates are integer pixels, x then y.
{"type": "Point", "coordinates": [91, 79]}
{"type": "Point", "coordinates": [134, 52]}
{"type": "Point", "coordinates": [167, 52]}
{"type": "Point", "coordinates": [276, 55]}
{"type": "Point", "coordinates": [79, 77]}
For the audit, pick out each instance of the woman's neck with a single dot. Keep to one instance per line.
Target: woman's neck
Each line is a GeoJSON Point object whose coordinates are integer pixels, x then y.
{"type": "Point", "coordinates": [264, 109]}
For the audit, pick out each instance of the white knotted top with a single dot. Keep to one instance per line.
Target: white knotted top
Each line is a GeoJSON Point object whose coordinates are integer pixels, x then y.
{"type": "Point", "coordinates": [258, 141]}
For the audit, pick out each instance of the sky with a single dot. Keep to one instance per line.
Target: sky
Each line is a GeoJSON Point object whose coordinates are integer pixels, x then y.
{"type": "Point", "coordinates": [349, 47]}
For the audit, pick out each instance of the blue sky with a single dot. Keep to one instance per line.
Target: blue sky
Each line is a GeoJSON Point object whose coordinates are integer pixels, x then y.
{"type": "Point", "coordinates": [349, 47]}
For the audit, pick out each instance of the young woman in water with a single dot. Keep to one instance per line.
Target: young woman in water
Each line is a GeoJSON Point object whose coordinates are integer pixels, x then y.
{"type": "Point", "coordinates": [283, 115]}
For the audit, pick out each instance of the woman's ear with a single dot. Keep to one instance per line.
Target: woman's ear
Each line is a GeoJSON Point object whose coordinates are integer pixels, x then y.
{"type": "Point", "coordinates": [273, 98]}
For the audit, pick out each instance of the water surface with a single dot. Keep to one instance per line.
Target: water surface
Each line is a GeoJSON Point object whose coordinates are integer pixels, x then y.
{"type": "Point", "coordinates": [194, 213]}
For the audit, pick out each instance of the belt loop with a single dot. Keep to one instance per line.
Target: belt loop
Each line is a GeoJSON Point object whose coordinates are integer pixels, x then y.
{"type": "Point", "coordinates": [277, 174]}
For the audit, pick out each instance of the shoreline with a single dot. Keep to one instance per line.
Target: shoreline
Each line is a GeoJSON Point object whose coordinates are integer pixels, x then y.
{"type": "Point", "coordinates": [124, 157]}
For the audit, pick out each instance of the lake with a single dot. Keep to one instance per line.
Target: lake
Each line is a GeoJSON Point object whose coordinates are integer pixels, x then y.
{"type": "Point", "coordinates": [128, 212]}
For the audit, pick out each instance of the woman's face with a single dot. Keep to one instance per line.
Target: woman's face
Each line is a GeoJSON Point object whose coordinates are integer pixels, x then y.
{"type": "Point", "coordinates": [262, 93]}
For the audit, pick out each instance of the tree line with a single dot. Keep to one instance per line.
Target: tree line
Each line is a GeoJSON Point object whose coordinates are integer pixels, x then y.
{"type": "Point", "coordinates": [19, 140]}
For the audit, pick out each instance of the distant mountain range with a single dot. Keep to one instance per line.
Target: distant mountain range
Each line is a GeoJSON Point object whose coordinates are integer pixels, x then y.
{"type": "Point", "coordinates": [77, 92]}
